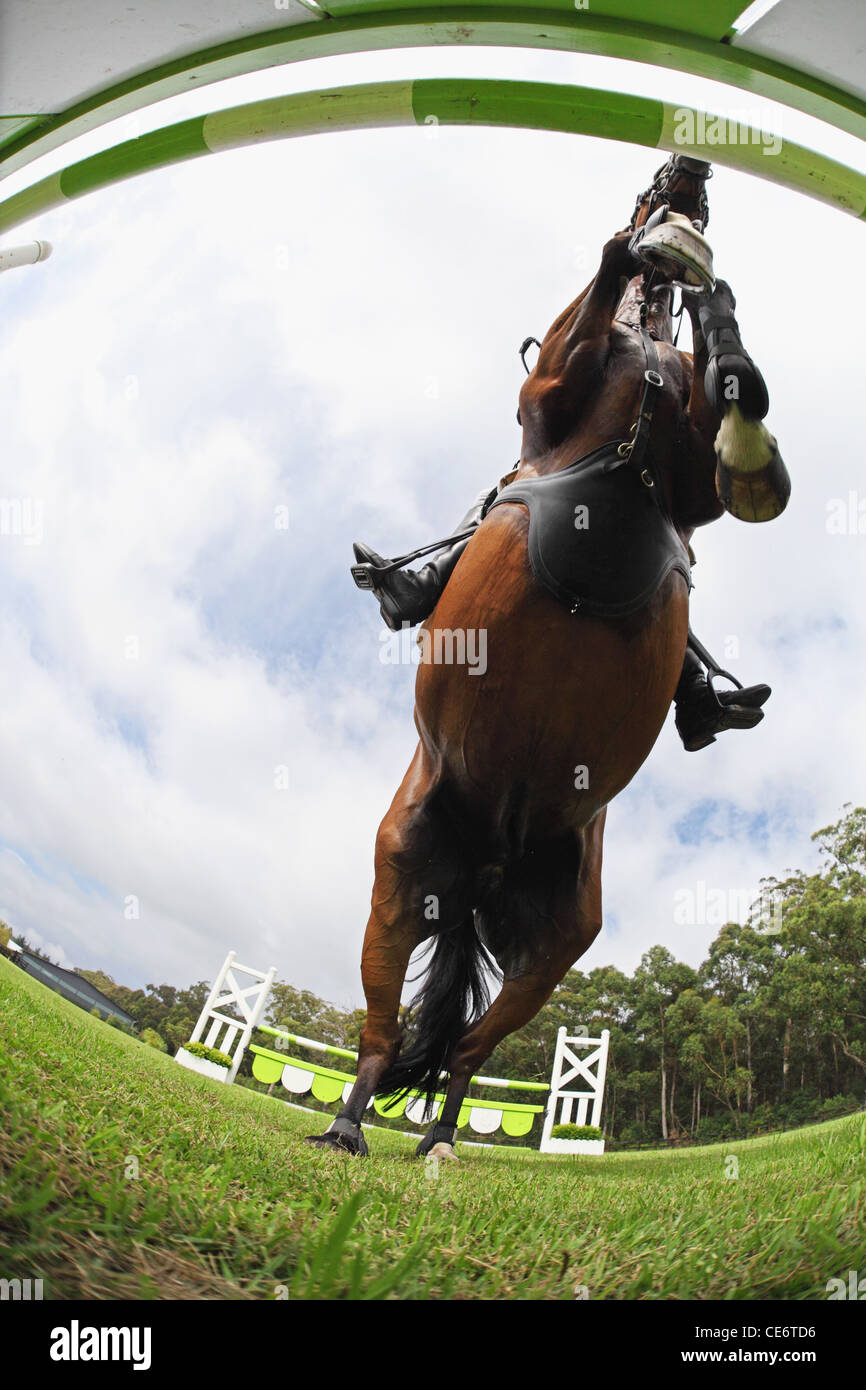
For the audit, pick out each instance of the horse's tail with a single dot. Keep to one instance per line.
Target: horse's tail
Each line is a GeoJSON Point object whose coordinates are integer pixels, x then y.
{"type": "Point", "coordinates": [453, 995]}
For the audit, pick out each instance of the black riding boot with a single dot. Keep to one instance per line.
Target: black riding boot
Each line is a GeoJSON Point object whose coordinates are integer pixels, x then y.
{"type": "Point", "coordinates": [406, 597]}
{"type": "Point", "coordinates": [731, 377]}
{"type": "Point", "coordinates": [700, 712]}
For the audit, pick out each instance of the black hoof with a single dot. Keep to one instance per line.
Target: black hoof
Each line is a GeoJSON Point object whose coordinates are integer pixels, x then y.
{"type": "Point", "coordinates": [438, 1134]}
{"type": "Point", "coordinates": [346, 1139]}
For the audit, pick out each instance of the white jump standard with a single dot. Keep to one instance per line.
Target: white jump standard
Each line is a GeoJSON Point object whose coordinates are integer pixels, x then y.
{"type": "Point", "coordinates": [249, 1000]}
{"type": "Point", "coordinates": [567, 1068]}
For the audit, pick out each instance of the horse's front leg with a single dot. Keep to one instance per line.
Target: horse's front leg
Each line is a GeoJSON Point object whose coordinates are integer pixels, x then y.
{"type": "Point", "coordinates": [728, 403]}
{"type": "Point", "coordinates": [420, 888]}
{"type": "Point", "coordinates": [388, 945]}
{"type": "Point", "coordinates": [394, 929]}
{"type": "Point", "coordinates": [571, 357]}
{"type": "Point", "coordinates": [591, 312]}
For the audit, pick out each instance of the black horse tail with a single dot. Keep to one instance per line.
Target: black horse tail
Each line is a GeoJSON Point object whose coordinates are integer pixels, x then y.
{"type": "Point", "coordinates": [454, 994]}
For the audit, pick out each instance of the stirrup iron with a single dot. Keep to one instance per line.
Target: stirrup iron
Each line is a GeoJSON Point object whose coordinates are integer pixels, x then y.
{"type": "Point", "coordinates": [714, 670]}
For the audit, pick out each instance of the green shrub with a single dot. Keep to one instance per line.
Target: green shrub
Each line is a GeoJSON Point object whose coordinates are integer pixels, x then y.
{"type": "Point", "coordinates": [575, 1132]}
{"type": "Point", "coordinates": [713, 1127]}
{"type": "Point", "coordinates": [635, 1133]}
{"type": "Point", "coordinates": [152, 1038]}
{"type": "Point", "coordinates": [762, 1117]}
{"type": "Point", "coordinates": [210, 1054]}
{"type": "Point", "coordinates": [798, 1107]}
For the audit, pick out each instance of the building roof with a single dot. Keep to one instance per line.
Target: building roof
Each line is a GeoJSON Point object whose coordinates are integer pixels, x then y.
{"type": "Point", "coordinates": [68, 983]}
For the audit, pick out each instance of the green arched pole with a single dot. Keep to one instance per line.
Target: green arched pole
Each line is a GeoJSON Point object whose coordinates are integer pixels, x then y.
{"type": "Point", "coordinates": [454, 101]}
{"type": "Point", "coordinates": [680, 35]}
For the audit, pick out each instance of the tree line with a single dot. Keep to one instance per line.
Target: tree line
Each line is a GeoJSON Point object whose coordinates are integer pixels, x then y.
{"type": "Point", "coordinates": [769, 1030]}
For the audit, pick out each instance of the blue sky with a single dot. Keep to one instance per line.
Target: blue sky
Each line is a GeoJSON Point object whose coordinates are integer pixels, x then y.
{"type": "Point", "coordinates": [331, 326]}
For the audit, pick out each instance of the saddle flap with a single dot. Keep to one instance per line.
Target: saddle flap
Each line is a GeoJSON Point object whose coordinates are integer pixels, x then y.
{"type": "Point", "coordinates": [598, 541]}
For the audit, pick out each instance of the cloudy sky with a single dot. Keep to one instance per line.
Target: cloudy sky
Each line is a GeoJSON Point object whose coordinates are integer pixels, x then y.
{"type": "Point", "coordinates": [198, 734]}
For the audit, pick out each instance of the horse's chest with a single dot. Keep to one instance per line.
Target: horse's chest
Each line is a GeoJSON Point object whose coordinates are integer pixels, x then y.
{"type": "Point", "coordinates": [596, 388]}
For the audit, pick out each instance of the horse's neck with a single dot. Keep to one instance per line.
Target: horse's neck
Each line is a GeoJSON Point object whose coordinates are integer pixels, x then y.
{"type": "Point", "coordinates": [595, 399]}
{"type": "Point", "coordinates": [659, 322]}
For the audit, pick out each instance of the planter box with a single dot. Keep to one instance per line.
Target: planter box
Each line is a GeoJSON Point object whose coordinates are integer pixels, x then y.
{"type": "Point", "coordinates": [572, 1146]}
{"type": "Point", "coordinates": [202, 1065]}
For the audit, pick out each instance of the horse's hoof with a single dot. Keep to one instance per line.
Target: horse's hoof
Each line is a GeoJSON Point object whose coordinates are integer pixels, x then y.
{"type": "Point", "coordinates": [343, 1143]}
{"type": "Point", "coordinates": [445, 1151]}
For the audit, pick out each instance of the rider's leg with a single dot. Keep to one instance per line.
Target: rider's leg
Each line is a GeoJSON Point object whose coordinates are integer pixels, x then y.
{"type": "Point", "coordinates": [407, 597]}
{"type": "Point", "coordinates": [701, 713]}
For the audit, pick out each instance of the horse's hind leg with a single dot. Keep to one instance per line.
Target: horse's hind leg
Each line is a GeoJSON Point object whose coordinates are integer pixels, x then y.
{"type": "Point", "coordinates": [550, 915]}
{"type": "Point", "coordinates": [416, 866]}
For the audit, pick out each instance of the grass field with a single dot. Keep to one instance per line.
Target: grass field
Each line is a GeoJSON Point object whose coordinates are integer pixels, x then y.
{"type": "Point", "coordinates": [123, 1176]}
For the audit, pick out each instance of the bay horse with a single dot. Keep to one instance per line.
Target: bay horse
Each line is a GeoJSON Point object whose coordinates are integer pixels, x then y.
{"type": "Point", "coordinates": [492, 845]}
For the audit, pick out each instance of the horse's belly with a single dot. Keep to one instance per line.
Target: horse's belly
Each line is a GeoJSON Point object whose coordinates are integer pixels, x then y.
{"type": "Point", "coordinates": [557, 709]}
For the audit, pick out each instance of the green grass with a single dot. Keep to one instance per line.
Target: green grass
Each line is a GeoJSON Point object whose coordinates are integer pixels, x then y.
{"type": "Point", "coordinates": [229, 1203]}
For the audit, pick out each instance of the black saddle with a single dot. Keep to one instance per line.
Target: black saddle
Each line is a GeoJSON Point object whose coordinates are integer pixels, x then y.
{"type": "Point", "coordinates": [599, 539]}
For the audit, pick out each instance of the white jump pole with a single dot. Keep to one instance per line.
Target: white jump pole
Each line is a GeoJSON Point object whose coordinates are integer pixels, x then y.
{"type": "Point", "coordinates": [28, 254]}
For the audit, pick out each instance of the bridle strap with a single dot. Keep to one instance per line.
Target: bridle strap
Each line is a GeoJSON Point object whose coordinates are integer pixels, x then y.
{"type": "Point", "coordinates": [659, 188]}
{"type": "Point", "coordinates": [524, 348]}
